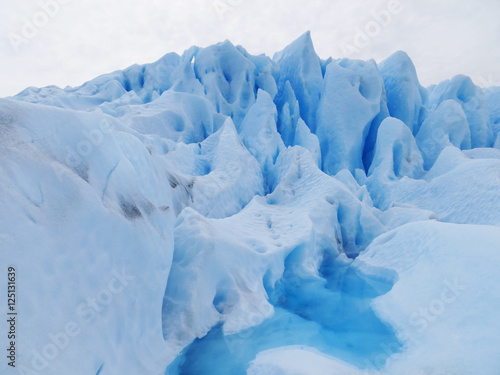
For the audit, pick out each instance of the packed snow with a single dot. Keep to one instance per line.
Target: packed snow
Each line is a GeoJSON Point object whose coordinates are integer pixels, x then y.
{"type": "Point", "coordinates": [221, 213]}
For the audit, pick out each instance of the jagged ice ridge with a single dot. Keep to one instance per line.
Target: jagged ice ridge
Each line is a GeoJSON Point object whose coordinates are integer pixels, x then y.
{"type": "Point", "coordinates": [224, 213]}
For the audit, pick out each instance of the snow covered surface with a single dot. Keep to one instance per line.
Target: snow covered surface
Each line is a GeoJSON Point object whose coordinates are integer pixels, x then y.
{"type": "Point", "coordinates": [223, 213]}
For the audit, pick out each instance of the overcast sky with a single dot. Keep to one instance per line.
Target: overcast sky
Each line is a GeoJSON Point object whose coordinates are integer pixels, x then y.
{"type": "Point", "coordinates": [82, 39]}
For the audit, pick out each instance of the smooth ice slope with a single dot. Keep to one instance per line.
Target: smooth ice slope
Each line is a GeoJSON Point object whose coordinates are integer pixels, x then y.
{"type": "Point", "coordinates": [221, 213]}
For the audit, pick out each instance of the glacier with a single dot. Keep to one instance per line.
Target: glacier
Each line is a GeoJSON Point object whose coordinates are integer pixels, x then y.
{"type": "Point", "coordinates": [217, 212]}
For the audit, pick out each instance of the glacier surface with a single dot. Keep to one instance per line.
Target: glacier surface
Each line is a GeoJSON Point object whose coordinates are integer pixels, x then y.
{"type": "Point", "coordinates": [217, 212]}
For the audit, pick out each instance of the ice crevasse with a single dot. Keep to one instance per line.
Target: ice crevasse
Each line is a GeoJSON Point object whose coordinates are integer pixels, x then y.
{"type": "Point", "coordinates": [217, 212]}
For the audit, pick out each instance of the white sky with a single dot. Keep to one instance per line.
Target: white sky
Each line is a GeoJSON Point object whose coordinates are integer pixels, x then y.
{"type": "Point", "coordinates": [85, 38]}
